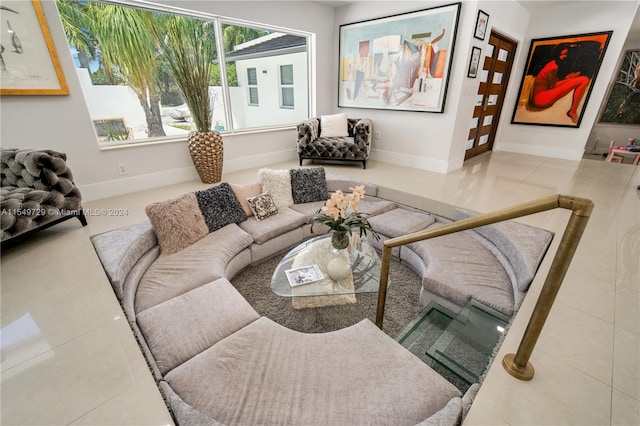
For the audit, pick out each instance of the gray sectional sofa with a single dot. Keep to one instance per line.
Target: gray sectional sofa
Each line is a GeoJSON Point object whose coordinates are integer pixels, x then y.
{"type": "Point", "coordinates": [216, 361]}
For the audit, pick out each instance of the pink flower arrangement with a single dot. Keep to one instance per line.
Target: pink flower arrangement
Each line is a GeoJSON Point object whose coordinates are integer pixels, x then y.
{"type": "Point", "coordinates": [340, 213]}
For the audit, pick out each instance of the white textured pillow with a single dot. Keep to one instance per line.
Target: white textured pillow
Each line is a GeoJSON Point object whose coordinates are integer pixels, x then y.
{"type": "Point", "coordinates": [278, 184]}
{"type": "Point", "coordinates": [334, 126]}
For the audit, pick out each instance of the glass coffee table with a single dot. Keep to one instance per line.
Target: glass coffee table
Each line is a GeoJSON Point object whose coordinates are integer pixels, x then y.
{"type": "Point", "coordinates": [363, 277]}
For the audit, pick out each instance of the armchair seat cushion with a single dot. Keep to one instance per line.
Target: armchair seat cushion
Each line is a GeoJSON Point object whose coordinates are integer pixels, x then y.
{"type": "Point", "coordinates": [336, 147]}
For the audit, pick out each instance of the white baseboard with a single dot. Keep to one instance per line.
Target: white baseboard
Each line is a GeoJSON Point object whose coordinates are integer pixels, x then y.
{"type": "Point", "coordinates": [541, 151]}
{"type": "Point", "coordinates": [126, 185]}
{"type": "Point", "coordinates": [415, 162]}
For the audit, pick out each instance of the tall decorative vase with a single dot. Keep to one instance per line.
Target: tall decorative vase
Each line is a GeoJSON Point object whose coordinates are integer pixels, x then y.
{"type": "Point", "coordinates": [338, 266]}
{"type": "Point", "coordinates": [207, 152]}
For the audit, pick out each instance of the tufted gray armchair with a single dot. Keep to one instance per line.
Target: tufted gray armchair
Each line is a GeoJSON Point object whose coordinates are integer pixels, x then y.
{"type": "Point", "coordinates": [355, 147]}
{"type": "Point", "coordinates": [37, 191]}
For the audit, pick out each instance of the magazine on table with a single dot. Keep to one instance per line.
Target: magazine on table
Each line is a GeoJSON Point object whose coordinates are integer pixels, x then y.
{"type": "Point", "coordinates": [304, 275]}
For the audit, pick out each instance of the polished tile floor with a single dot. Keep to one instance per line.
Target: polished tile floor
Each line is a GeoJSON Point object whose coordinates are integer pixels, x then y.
{"type": "Point", "coordinates": [68, 356]}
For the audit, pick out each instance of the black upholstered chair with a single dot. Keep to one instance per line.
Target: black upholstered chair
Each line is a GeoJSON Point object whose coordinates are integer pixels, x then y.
{"type": "Point", "coordinates": [354, 147]}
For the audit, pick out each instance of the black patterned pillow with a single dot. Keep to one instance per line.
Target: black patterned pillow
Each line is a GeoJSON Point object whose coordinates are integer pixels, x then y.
{"type": "Point", "coordinates": [262, 206]}
{"type": "Point", "coordinates": [308, 185]}
{"type": "Point", "coordinates": [220, 207]}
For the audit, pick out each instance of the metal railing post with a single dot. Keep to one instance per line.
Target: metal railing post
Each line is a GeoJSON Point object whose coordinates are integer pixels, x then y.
{"type": "Point", "coordinates": [517, 365]}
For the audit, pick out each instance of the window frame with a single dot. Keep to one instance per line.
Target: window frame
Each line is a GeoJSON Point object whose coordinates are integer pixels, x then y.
{"type": "Point", "coordinates": [252, 86]}
{"type": "Point", "coordinates": [218, 21]}
{"type": "Point", "coordinates": [290, 86]}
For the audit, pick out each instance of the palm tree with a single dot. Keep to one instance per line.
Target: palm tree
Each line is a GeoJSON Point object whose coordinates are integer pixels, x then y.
{"type": "Point", "coordinates": [233, 35]}
{"type": "Point", "coordinates": [76, 22]}
{"type": "Point", "coordinates": [126, 43]}
{"type": "Point", "coordinates": [126, 46]}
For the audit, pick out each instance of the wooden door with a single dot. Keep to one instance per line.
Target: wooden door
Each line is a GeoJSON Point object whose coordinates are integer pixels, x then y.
{"type": "Point", "coordinates": [494, 76]}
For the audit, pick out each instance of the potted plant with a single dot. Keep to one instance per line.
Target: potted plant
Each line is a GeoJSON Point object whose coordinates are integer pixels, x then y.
{"type": "Point", "coordinates": [188, 44]}
{"type": "Point", "coordinates": [340, 213]}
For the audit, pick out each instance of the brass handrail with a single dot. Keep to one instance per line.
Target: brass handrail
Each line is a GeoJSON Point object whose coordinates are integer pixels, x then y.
{"type": "Point", "coordinates": [517, 364]}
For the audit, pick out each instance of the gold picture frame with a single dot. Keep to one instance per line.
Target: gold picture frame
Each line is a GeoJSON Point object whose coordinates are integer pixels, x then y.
{"type": "Point", "coordinates": [29, 64]}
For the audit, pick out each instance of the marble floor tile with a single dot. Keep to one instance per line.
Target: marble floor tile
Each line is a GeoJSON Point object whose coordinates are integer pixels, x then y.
{"type": "Point", "coordinates": [69, 357]}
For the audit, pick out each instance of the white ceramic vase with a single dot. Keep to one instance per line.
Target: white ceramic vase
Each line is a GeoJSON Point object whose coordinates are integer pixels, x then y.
{"type": "Point", "coordinates": [338, 267]}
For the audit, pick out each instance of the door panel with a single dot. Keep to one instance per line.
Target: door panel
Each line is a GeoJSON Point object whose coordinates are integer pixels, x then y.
{"type": "Point", "coordinates": [494, 78]}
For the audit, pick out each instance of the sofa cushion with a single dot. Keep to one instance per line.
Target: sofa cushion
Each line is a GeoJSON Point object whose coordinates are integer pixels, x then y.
{"type": "Point", "coordinates": [278, 184]}
{"type": "Point", "coordinates": [182, 327]}
{"type": "Point", "coordinates": [120, 249]}
{"type": "Point", "coordinates": [372, 206]}
{"type": "Point", "coordinates": [310, 379]}
{"type": "Point", "coordinates": [450, 415]}
{"type": "Point", "coordinates": [308, 209]}
{"type": "Point", "coordinates": [220, 207]}
{"type": "Point", "coordinates": [459, 268]}
{"type": "Point", "coordinates": [262, 206]}
{"type": "Point", "coordinates": [523, 245]}
{"type": "Point", "coordinates": [308, 185]}
{"type": "Point", "coordinates": [334, 126]}
{"type": "Point", "coordinates": [178, 222]}
{"type": "Point", "coordinates": [200, 263]}
{"type": "Point", "coordinates": [272, 226]}
{"type": "Point", "coordinates": [243, 192]}
{"type": "Point", "coordinates": [397, 222]}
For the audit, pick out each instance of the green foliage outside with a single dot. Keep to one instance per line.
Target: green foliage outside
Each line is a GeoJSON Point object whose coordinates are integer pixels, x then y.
{"type": "Point", "coordinates": [131, 47]}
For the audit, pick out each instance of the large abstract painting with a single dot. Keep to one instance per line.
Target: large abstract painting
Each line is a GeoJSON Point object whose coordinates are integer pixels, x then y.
{"type": "Point", "coordinates": [623, 103]}
{"type": "Point", "coordinates": [29, 64]}
{"type": "Point", "coordinates": [399, 62]}
{"type": "Point", "coordinates": [558, 79]}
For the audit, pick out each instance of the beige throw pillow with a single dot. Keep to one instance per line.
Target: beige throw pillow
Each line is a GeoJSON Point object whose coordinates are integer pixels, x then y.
{"type": "Point", "coordinates": [334, 126]}
{"type": "Point", "coordinates": [243, 192]}
{"type": "Point", "coordinates": [177, 223]}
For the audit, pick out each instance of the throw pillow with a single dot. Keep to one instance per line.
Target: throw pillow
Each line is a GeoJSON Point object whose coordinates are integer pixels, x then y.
{"type": "Point", "coordinates": [334, 126]}
{"type": "Point", "coordinates": [278, 184]}
{"type": "Point", "coordinates": [177, 223]}
{"type": "Point", "coordinates": [220, 207]}
{"type": "Point", "coordinates": [308, 185]}
{"type": "Point", "coordinates": [262, 206]}
{"type": "Point", "coordinates": [246, 191]}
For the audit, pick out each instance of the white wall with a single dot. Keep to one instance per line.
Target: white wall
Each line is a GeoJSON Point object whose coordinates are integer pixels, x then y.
{"type": "Point", "coordinates": [63, 122]}
{"type": "Point", "coordinates": [422, 140]}
{"type": "Point", "coordinates": [558, 19]}
{"type": "Point", "coordinates": [415, 139]}
{"type": "Point", "coordinates": [269, 111]}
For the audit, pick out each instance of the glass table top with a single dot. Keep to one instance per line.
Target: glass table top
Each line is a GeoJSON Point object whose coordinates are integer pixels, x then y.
{"type": "Point", "coordinates": [364, 276]}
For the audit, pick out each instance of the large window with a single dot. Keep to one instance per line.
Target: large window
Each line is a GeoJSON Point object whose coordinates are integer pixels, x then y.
{"type": "Point", "coordinates": [131, 92]}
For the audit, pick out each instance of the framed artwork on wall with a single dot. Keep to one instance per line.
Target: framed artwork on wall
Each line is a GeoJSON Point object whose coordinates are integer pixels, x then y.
{"type": "Point", "coordinates": [623, 101]}
{"type": "Point", "coordinates": [28, 61]}
{"type": "Point", "coordinates": [482, 23]}
{"type": "Point", "coordinates": [400, 62]}
{"type": "Point", "coordinates": [558, 79]}
{"type": "Point", "coordinates": [474, 62]}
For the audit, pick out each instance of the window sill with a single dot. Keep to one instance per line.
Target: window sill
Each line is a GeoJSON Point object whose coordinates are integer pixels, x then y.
{"type": "Point", "coordinates": [109, 146]}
